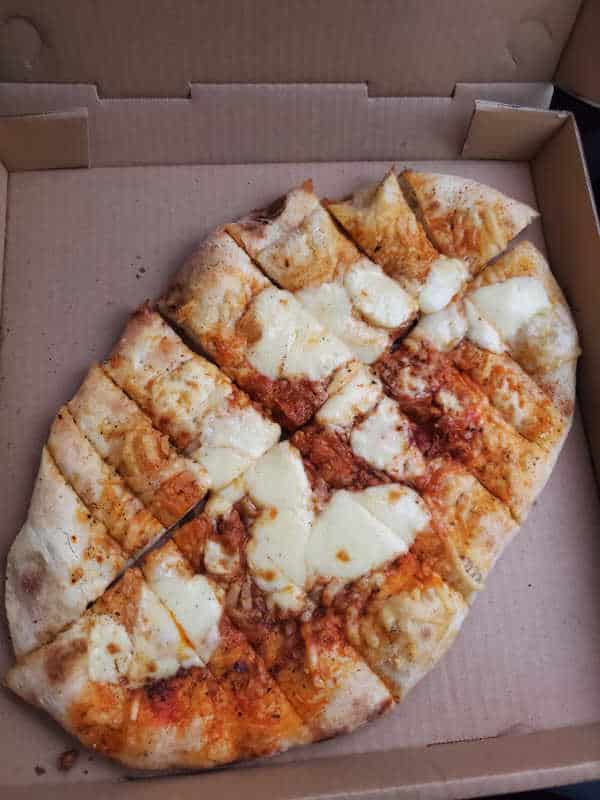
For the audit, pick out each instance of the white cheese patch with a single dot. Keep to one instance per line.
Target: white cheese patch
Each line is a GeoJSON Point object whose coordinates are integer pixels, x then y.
{"type": "Point", "coordinates": [383, 439]}
{"type": "Point", "coordinates": [221, 502]}
{"type": "Point", "coordinates": [347, 541]}
{"type": "Point", "coordinates": [279, 481]}
{"type": "Point", "coordinates": [330, 304]}
{"type": "Point", "coordinates": [546, 340]}
{"type": "Point", "coordinates": [444, 329]}
{"type": "Point", "coordinates": [271, 310]}
{"type": "Point", "coordinates": [110, 650]}
{"type": "Point", "coordinates": [276, 551]}
{"type": "Point", "coordinates": [231, 439]}
{"type": "Point", "coordinates": [292, 343]}
{"type": "Point", "coordinates": [510, 304]}
{"type": "Point", "coordinates": [218, 561]}
{"type": "Point", "coordinates": [191, 599]}
{"type": "Point", "coordinates": [481, 332]}
{"type": "Point", "coordinates": [158, 648]}
{"type": "Point", "coordinates": [359, 394]}
{"type": "Point", "coordinates": [379, 299]}
{"type": "Point", "coordinates": [445, 278]}
{"type": "Point", "coordinates": [398, 507]}
{"type": "Point", "coordinates": [279, 485]}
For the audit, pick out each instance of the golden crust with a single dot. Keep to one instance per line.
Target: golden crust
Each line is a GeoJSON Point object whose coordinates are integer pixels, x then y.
{"type": "Point", "coordinates": [465, 219]}
{"type": "Point", "coordinates": [384, 226]}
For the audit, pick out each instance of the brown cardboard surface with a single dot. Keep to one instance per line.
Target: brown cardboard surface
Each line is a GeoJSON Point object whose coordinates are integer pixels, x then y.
{"type": "Point", "coordinates": [573, 236]}
{"type": "Point", "coordinates": [526, 660]}
{"type": "Point", "coordinates": [399, 47]}
{"type": "Point", "coordinates": [57, 140]}
{"type": "Point", "coordinates": [243, 123]}
{"type": "Point", "coordinates": [579, 68]}
{"type": "Point", "coordinates": [501, 131]}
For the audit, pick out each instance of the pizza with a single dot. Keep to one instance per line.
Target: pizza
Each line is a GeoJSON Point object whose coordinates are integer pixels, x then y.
{"type": "Point", "coordinates": [265, 516]}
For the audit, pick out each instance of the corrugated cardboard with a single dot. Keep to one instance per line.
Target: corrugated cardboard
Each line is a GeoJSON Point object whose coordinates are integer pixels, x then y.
{"type": "Point", "coordinates": [516, 703]}
{"type": "Point", "coordinates": [397, 47]}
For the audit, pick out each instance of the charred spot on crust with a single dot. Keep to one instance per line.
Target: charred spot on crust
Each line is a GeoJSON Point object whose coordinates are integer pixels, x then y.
{"type": "Point", "coordinates": [32, 578]}
{"type": "Point", "coordinates": [61, 658]}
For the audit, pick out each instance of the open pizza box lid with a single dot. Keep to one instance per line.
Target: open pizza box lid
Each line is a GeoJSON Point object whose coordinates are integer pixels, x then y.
{"type": "Point", "coordinates": [97, 107]}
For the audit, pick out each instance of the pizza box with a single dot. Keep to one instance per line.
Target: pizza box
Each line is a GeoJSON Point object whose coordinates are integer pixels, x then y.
{"type": "Point", "coordinates": [126, 133]}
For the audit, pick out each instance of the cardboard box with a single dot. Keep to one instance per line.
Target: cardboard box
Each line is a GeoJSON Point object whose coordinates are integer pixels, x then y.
{"type": "Point", "coordinates": [94, 189]}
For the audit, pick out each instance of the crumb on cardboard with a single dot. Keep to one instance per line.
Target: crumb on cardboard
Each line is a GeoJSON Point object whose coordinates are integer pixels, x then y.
{"type": "Point", "coordinates": [39, 770]}
{"type": "Point", "coordinates": [66, 760]}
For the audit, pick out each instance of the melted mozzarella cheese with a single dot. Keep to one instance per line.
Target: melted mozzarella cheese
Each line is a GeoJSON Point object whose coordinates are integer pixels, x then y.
{"type": "Point", "coordinates": [481, 332]}
{"type": "Point", "coordinates": [158, 647]}
{"type": "Point", "coordinates": [383, 439]}
{"type": "Point", "coordinates": [276, 550]}
{"type": "Point", "coordinates": [445, 278]}
{"type": "Point", "coordinates": [191, 599]}
{"type": "Point", "coordinates": [358, 394]}
{"type": "Point", "coordinates": [444, 329]}
{"type": "Point", "coordinates": [398, 507]}
{"type": "Point", "coordinates": [278, 480]}
{"type": "Point", "coordinates": [347, 541]}
{"type": "Point", "coordinates": [275, 553]}
{"type": "Point", "coordinates": [330, 304]}
{"type": "Point", "coordinates": [379, 299]}
{"type": "Point", "coordinates": [220, 503]}
{"type": "Point", "coordinates": [271, 310]}
{"type": "Point", "coordinates": [510, 304]}
{"type": "Point", "coordinates": [110, 650]}
{"type": "Point", "coordinates": [292, 343]}
{"type": "Point", "coordinates": [231, 439]}
{"type": "Point", "coordinates": [218, 561]}
{"type": "Point", "coordinates": [546, 340]}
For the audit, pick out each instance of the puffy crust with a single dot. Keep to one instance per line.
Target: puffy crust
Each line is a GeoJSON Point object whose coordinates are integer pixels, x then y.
{"type": "Point", "coordinates": [102, 490]}
{"type": "Point", "coordinates": [210, 295]}
{"type": "Point", "coordinates": [471, 524]}
{"type": "Point", "coordinates": [513, 393]}
{"type": "Point", "coordinates": [381, 222]}
{"type": "Point", "coordinates": [466, 219]}
{"type": "Point", "coordinates": [295, 241]}
{"type": "Point", "coordinates": [166, 483]}
{"type": "Point", "coordinates": [60, 561]}
{"type": "Point", "coordinates": [178, 718]}
{"type": "Point", "coordinates": [408, 626]}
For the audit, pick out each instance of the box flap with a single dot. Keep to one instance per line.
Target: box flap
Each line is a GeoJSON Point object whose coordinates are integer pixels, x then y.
{"type": "Point", "coordinates": [506, 132]}
{"type": "Point", "coordinates": [579, 68]}
{"type": "Point", "coordinates": [572, 234]}
{"type": "Point", "coordinates": [404, 49]}
{"type": "Point", "coordinates": [242, 123]}
{"type": "Point", "coordinates": [3, 219]}
{"type": "Point", "coordinates": [57, 140]}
